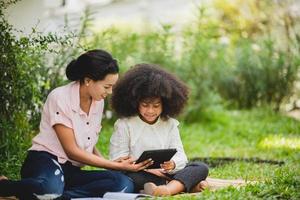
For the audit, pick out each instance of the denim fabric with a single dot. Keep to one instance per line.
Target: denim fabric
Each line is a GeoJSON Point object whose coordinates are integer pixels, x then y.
{"type": "Point", "coordinates": [42, 177]}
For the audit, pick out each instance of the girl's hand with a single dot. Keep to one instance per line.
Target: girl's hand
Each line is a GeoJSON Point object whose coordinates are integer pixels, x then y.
{"type": "Point", "coordinates": [129, 165]}
{"type": "Point", "coordinates": [157, 172]}
{"type": "Point", "coordinates": [168, 165]}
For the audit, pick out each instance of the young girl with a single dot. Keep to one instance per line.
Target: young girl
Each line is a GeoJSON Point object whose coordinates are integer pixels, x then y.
{"type": "Point", "coordinates": [147, 98]}
{"type": "Point", "coordinates": [69, 131]}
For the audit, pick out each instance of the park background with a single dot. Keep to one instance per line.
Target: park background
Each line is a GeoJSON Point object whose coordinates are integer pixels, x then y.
{"type": "Point", "coordinates": [240, 59]}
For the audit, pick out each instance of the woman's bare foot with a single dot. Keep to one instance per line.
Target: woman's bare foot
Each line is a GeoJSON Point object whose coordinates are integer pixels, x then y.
{"type": "Point", "coordinates": [154, 190]}
{"type": "Point", "coordinates": [199, 187]}
{"type": "Point", "coordinates": [3, 178]}
{"type": "Point", "coordinates": [142, 192]}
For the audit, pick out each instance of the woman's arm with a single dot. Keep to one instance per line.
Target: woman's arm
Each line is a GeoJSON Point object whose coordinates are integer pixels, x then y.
{"type": "Point", "coordinates": [68, 142]}
{"type": "Point", "coordinates": [97, 152]}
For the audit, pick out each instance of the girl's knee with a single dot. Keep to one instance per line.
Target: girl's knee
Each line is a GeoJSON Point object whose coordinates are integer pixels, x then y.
{"type": "Point", "coordinates": [204, 168]}
{"type": "Point", "coordinates": [201, 167]}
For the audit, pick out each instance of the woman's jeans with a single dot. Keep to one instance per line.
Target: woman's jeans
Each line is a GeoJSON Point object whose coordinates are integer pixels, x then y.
{"type": "Point", "coordinates": [44, 178]}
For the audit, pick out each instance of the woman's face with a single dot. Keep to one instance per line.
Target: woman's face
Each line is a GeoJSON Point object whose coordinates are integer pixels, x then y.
{"type": "Point", "coordinates": [150, 109]}
{"type": "Point", "coordinates": [100, 89]}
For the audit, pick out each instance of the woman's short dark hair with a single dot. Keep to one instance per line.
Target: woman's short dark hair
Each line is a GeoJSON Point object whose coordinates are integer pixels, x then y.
{"type": "Point", "coordinates": [94, 64]}
{"type": "Point", "coordinates": [146, 81]}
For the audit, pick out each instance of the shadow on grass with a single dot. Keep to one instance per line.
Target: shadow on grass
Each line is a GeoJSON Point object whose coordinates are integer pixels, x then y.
{"type": "Point", "coordinates": [220, 161]}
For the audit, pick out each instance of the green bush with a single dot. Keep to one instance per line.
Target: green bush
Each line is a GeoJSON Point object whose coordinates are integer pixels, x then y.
{"type": "Point", "coordinates": [225, 56]}
{"type": "Point", "coordinates": [31, 66]}
{"type": "Point", "coordinates": [266, 77]}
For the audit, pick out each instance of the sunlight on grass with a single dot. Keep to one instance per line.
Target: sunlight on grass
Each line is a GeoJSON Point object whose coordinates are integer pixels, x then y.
{"type": "Point", "coordinates": [279, 141]}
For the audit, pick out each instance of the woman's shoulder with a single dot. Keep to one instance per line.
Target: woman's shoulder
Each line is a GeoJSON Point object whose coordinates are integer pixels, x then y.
{"type": "Point", "coordinates": [62, 90]}
{"type": "Point", "coordinates": [60, 95]}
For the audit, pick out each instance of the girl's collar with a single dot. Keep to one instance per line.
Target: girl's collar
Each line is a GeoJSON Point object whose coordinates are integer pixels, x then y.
{"type": "Point", "coordinates": [142, 121]}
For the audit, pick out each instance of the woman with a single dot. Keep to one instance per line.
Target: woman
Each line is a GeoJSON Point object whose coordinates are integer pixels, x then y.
{"type": "Point", "coordinates": [69, 131]}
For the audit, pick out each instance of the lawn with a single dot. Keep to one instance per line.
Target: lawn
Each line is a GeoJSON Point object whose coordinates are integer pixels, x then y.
{"type": "Point", "coordinates": [243, 134]}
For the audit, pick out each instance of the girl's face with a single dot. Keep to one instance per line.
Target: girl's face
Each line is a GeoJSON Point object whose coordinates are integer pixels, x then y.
{"type": "Point", "coordinates": [100, 89]}
{"type": "Point", "coordinates": [150, 109]}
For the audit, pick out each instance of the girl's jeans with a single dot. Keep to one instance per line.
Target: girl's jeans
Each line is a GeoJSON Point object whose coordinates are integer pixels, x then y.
{"type": "Point", "coordinates": [192, 174]}
{"type": "Point", "coordinates": [44, 178]}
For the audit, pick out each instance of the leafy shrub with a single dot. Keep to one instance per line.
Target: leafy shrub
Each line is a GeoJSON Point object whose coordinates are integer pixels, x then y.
{"type": "Point", "coordinates": [266, 77]}
{"type": "Point", "coordinates": [30, 67]}
{"type": "Point", "coordinates": [224, 56]}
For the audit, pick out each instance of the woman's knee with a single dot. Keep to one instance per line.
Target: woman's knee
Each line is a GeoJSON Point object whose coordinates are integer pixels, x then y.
{"type": "Point", "coordinates": [123, 183]}
{"type": "Point", "coordinates": [49, 189]}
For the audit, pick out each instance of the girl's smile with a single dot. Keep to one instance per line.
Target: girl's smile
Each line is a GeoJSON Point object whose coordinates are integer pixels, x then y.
{"type": "Point", "coordinates": [150, 109]}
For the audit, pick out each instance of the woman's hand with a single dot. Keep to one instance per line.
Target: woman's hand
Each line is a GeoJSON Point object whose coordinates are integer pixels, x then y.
{"type": "Point", "coordinates": [157, 172]}
{"type": "Point", "coordinates": [168, 165]}
{"type": "Point", "coordinates": [128, 164]}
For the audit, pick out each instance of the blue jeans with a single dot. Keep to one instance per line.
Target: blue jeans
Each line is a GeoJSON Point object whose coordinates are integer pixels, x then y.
{"type": "Point", "coordinates": [42, 177]}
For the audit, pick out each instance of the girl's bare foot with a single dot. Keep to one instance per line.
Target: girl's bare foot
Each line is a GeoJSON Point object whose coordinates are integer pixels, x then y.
{"type": "Point", "coordinates": [199, 187]}
{"type": "Point", "coordinates": [154, 190]}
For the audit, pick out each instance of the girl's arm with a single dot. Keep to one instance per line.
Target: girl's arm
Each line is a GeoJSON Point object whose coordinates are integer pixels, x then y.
{"type": "Point", "coordinates": [179, 158]}
{"type": "Point", "coordinates": [68, 142]}
{"type": "Point", "coordinates": [119, 141]}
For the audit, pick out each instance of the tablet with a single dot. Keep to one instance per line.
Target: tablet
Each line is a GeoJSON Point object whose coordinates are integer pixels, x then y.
{"type": "Point", "coordinates": [159, 156]}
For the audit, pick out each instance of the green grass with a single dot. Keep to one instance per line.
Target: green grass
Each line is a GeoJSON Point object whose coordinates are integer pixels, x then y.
{"type": "Point", "coordinates": [239, 134]}
{"type": "Point", "coordinates": [244, 134]}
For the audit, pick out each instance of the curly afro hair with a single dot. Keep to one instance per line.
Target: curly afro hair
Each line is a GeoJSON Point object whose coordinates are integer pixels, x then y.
{"type": "Point", "coordinates": [147, 81]}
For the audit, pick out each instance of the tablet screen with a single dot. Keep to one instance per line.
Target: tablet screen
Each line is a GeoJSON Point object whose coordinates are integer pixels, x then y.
{"type": "Point", "coordinates": [159, 156]}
